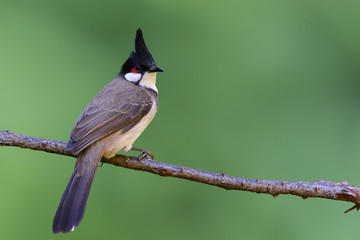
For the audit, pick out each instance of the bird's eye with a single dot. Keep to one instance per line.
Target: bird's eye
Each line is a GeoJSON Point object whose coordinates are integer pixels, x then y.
{"type": "Point", "coordinates": [133, 70]}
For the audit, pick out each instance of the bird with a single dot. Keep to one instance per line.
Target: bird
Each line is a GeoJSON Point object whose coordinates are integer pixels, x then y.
{"type": "Point", "coordinates": [112, 121]}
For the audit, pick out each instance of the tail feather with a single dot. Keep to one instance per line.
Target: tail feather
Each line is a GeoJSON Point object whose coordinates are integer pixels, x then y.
{"type": "Point", "coordinates": [73, 202]}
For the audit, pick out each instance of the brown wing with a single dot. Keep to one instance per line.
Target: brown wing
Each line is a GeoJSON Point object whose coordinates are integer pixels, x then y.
{"type": "Point", "coordinates": [119, 105]}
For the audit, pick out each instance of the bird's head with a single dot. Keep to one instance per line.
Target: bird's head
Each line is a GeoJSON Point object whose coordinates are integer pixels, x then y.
{"type": "Point", "coordinates": [140, 63]}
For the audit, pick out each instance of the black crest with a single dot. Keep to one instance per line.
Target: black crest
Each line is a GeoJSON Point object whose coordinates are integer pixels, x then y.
{"type": "Point", "coordinates": [141, 57]}
{"type": "Point", "coordinates": [142, 52]}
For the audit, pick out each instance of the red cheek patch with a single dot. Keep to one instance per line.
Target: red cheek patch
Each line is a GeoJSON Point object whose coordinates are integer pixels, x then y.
{"type": "Point", "coordinates": [133, 70]}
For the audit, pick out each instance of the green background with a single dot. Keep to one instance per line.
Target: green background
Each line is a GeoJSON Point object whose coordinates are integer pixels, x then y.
{"type": "Point", "coordinates": [258, 89]}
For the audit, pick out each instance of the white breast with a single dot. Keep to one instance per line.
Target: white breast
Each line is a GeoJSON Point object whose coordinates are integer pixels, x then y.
{"type": "Point", "coordinates": [118, 140]}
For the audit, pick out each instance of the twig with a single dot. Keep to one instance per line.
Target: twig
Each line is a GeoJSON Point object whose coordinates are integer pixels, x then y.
{"type": "Point", "coordinates": [321, 189]}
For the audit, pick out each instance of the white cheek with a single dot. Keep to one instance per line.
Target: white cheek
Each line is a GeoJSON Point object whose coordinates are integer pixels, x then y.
{"type": "Point", "coordinates": [133, 77]}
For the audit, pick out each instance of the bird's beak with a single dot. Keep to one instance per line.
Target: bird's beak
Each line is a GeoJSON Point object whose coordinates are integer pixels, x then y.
{"type": "Point", "coordinates": [156, 69]}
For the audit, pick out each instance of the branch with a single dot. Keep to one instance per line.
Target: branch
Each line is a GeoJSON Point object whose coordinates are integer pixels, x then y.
{"type": "Point", "coordinates": [320, 189]}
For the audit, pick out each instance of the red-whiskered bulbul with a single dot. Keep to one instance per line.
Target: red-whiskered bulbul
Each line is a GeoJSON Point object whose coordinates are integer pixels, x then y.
{"type": "Point", "coordinates": [112, 121]}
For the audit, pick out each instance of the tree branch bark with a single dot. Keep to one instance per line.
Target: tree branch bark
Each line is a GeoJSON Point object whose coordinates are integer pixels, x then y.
{"type": "Point", "coordinates": [320, 189]}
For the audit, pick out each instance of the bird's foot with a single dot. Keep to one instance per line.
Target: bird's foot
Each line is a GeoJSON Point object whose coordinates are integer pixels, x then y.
{"type": "Point", "coordinates": [145, 153]}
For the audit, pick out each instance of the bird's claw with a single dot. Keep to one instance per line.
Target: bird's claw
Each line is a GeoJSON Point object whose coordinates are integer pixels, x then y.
{"type": "Point", "coordinates": [146, 154]}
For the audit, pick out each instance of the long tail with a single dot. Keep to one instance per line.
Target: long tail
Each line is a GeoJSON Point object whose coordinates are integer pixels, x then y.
{"type": "Point", "coordinates": [73, 202]}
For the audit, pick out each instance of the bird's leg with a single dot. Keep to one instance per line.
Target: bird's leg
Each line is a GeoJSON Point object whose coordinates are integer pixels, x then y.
{"type": "Point", "coordinates": [145, 153]}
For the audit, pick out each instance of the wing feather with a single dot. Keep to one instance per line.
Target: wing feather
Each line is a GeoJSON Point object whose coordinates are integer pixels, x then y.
{"type": "Point", "coordinates": [118, 106]}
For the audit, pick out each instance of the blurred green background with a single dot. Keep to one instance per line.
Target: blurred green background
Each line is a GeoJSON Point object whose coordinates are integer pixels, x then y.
{"type": "Point", "coordinates": [257, 89]}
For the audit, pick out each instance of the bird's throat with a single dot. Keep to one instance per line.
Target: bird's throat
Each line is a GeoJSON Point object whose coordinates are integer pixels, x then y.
{"type": "Point", "coordinates": [149, 81]}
